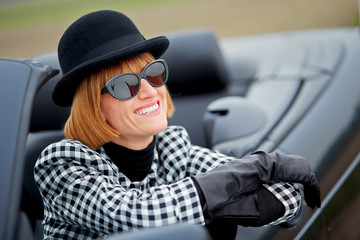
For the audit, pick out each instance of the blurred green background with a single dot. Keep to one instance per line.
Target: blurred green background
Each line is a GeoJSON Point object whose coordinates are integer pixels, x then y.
{"type": "Point", "coordinates": [29, 27]}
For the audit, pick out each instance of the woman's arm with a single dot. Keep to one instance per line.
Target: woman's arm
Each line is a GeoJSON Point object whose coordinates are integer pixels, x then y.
{"type": "Point", "coordinates": [201, 160]}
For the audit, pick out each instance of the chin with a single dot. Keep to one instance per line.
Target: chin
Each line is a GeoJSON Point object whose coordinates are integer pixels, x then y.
{"type": "Point", "coordinates": [159, 127]}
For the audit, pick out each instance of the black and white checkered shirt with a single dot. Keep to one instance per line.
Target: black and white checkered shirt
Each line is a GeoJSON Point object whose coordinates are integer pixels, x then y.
{"type": "Point", "coordinates": [86, 196]}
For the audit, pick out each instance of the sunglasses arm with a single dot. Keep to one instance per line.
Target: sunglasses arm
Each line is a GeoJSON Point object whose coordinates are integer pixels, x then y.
{"type": "Point", "coordinates": [104, 90]}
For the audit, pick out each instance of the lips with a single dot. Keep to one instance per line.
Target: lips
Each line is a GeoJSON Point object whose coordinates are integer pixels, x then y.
{"type": "Point", "coordinates": [147, 109]}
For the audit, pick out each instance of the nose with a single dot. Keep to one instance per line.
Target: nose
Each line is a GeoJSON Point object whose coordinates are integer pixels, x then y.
{"type": "Point", "coordinates": [146, 90]}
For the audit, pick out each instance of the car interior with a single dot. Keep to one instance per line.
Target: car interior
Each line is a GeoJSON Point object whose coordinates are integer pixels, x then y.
{"type": "Point", "coordinates": [236, 95]}
{"type": "Point", "coordinates": [235, 109]}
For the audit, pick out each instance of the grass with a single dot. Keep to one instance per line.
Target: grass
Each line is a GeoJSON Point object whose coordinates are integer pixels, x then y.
{"type": "Point", "coordinates": [31, 27]}
{"type": "Point", "coordinates": [40, 11]}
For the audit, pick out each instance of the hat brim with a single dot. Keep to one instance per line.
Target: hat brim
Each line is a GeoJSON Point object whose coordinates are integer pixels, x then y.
{"type": "Point", "coordinates": [64, 90]}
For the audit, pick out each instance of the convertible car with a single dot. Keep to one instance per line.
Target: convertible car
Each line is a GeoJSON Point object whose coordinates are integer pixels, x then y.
{"type": "Point", "coordinates": [294, 92]}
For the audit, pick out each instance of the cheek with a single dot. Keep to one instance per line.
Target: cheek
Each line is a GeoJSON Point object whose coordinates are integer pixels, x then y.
{"type": "Point", "coordinates": [111, 110]}
{"type": "Point", "coordinates": [106, 105]}
{"type": "Point", "coordinates": [162, 93]}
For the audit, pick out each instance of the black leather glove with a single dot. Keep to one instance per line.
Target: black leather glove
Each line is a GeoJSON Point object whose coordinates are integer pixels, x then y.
{"type": "Point", "coordinates": [234, 182]}
{"type": "Point", "coordinates": [252, 209]}
{"type": "Point", "coordinates": [222, 229]}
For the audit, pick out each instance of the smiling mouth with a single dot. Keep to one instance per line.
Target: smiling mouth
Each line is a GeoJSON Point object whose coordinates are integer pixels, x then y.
{"type": "Point", "coordinates": [148, 110]}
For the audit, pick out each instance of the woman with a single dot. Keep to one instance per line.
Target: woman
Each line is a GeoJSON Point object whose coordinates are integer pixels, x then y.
{"type": "Point", "coordinates": [121, 168]}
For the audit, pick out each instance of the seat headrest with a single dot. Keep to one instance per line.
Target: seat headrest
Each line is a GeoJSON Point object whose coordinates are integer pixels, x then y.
{"type": "Point", "coordinates": [196, 64]}
{"type": "Point", "coordinates": [46, 114]}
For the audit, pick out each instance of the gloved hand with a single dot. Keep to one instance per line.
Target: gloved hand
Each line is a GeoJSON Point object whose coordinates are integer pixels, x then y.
{"type": "Point", "coordinates": [299, 172]}
{"type": "Point", "coordinates": [234, 182]}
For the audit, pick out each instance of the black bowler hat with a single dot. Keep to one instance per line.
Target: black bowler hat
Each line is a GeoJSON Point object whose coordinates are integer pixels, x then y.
{"type": "Point", "coordinates": [97, 40]}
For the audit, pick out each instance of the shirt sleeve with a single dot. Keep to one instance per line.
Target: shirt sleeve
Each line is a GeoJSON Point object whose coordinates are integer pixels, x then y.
{"type": "Point", "coordinates": [289, 195]}
{"type": "Point", "coordinates": [76, 193]}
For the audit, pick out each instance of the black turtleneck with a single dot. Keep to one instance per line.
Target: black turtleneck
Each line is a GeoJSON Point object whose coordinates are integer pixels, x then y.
{"type": "Point", "coordinates": [134, 164]}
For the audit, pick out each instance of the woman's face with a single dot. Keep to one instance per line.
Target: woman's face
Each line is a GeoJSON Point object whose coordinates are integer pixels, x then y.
{"type": "Point", "coordinates": [139, 118]}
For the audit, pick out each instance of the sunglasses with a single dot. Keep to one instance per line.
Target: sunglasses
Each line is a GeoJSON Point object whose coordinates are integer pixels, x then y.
{"type": "Point", "coordinates": [126, 86]}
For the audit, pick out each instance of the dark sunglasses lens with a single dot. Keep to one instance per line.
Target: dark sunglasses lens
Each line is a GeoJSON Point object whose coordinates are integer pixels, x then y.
{"type": "Point", "coordinates": [125, 86]}
{"type": "Point", "coordinates": [156, 74]}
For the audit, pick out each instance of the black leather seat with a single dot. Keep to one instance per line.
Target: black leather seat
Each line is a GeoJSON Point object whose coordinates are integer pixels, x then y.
{"type": "Point", "coordinates": [198, 75]}
{"type": "Point", "coordinates": [46, 127]}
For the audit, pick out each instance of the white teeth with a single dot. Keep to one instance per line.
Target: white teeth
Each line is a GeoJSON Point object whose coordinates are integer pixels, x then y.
{"type": "Point", "coordinates": [148, 110]}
